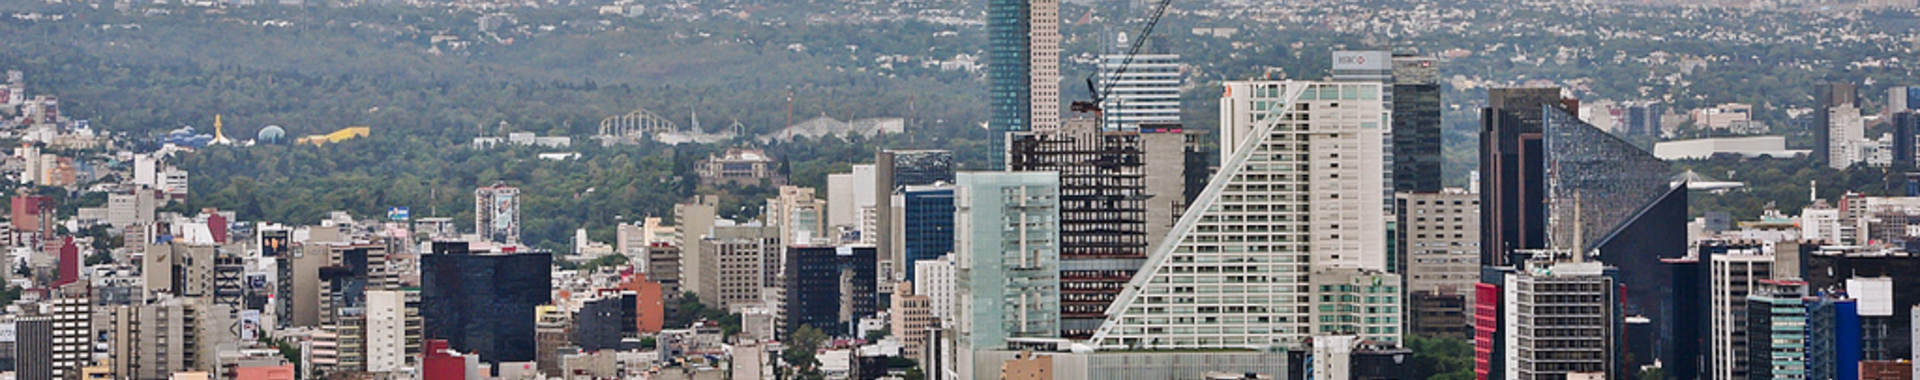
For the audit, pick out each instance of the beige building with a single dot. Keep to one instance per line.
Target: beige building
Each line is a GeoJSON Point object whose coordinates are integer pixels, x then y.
{"type": "Point", "coordinates": [912, 316]}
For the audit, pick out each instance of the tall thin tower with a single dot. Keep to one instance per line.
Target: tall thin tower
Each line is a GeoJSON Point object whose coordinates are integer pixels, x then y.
{"type": "Point", "coordinates": [1023, 70]}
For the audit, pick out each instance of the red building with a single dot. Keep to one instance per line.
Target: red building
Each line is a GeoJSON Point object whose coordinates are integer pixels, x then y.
{"type": "Point", "coordinates": [441, 362]}
{"type": "Point", "coordinates": [650, 308]}
{"type": "Point", "coordinates": [69, 263]}
{"type": "Point", "coordinates": [1486, 325]}
{"type": "Point", "coordinates": [31, 212]}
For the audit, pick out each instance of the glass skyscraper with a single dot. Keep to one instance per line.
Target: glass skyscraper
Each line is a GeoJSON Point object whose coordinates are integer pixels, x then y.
{"type": "Point", "coordinates": [1007, 226]}
{"type": "Point", "coordinates": [1023, 70]}
{"type": "Point", "coordinates": [483, 302]}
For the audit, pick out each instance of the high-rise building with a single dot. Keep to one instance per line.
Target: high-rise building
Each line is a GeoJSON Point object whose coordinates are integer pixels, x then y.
{"type": "Point", "coordinates": [925, 215]}
{"type": "Point", "coordinates": [1833, 337]}
{"type": "Point", "coordinates": [1606, 196]}
{"type": "Point", "coordinates": [1512, 168]}
{"type": "Point", "coordinates": [1416, 123]}
{"type": "Point", "coordinates": [1300, 190]}
{"type": "Point", "coordinates": [1880, 282]}
{"type": "Point", "coordinates": [72, 333]}
{"type": "Point", "coordinates": [1354, 302]}
{"type": "Point", "coordinates": [1147, 93]}
{"type": "Point", "coordinates": [33, 348]}
{"type": "Point", "coordinates": [738, 272]}
{"type": "Point", "coordinates": [1828, 97]}
{"type": "Point", "coordinates": [1439, 256]}
{"type": "Point", "coordinates": [1777, 330]}
{"type": "Point", "coordinates": [393, 335]}
{"type": "Point", "coordinates": [1735, 275]}
{"type": "Point", "coordinates": [1687, 330]}
{"type": "Point", "coordinates": [483, 302]}
{"type": "Point", "coordinates": [158, 338]}
{"type": "Point", "coordinates": [1566, 321]}
{"type": "Point", "coordinates": [912, 316]}
{"type": "Point", "coordinates": [1906, 128]}
{"type": "Point", "coordinates": [934, 279]}
{"type": "Point", "coordinates": [896, 169]}
{"type": "Point", "coordinates": [800, 216]}
{"type": "Point", "coordinates": [496, 214]}
{"type": "Point", "coordinates": [1023, 70]}
{"type": "Point", "coordinates": [1643, 118]}
{"type": "Point", "coordinates": [829, 287]}
{"type": "Point", "coordinates": [850, 201]}
{"type": "Point", "coordinates": [1103, 226]}
{"type": "Point", "coordinates": [1007, 226]}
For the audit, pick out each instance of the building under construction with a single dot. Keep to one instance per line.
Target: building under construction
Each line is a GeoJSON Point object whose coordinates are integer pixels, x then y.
{"type": "Point", "coordinates": [1114, 206]}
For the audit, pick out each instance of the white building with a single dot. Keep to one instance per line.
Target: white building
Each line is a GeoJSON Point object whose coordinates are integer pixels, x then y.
{"type": "Point", "coordinates": [850, 199]}
{"type": "Point", "coordinates": [387, 333]}
{"type": "Point", "coordinates": [1147, 93]}
{"type": "Point", "coordinates": [1274, 209]}
{"type": "Point", "coordinates": [1847, 142]}
{"type": "Point", "coordinates": [934, 279]}
{"type": "Point", "coordinates": [1749, 146]}
{"type": "Point", "coordinates": [1734, 275]}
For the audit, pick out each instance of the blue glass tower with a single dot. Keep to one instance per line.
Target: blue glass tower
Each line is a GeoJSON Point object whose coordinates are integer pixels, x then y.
{"type": "Point", "coordinates": [927, 223]}
{"type": "Point", "coordinates": [1009, 79]}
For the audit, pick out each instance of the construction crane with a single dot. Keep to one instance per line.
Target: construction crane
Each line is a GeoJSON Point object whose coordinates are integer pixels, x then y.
{"type": "Point", "coordinates": [1101, 92]}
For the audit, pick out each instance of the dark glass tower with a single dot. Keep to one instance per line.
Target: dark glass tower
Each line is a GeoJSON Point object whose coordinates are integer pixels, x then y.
{"type": "Point", "coordinates": [1512, 191]}
{"type": "Point", "coordinates": [1905, 125]}
{"type": "Point", "coordinates": [1607, 196]}
{"type": "Point", "coordinates": [927, 224]}
{"type": "Point", "coordinates": [483, 302]}
{"type": "Point", "coordinates": [1416, 124]}
{"type": "Point", "coordinates": [1009, 78]}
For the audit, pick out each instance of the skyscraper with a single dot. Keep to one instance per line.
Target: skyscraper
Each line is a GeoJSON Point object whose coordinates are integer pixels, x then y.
{"type": "Point", "coordinates": [1416, 124]}
{"type": "Point", "coordinates": [1565, 320]}
{"type": "Point", "coordinates": [894, 169]}
{"type": "Point", "coordinates": [1512, 169]}
{"type": "Point", "coordinates": [1148, 93]}
{"type": "Point", "coordinates": [496, 214]}
{"type": "Point", "coordinates": [1906, 127]}
{"type": "Point", "coordinates": [1439, 256]}
{"type": "Point", "coordinates": [1777, 330]}
{"type": "Point", "coordinates": [1735, 275]}
{"type": "Point", "coordinates": [483, 302]}
{"type": "Point", "coordinates": [1103, 226]}
{"type": "Point", "coordinates": [1007, 226]}
{"type": "Point", "coordinates": [1607, 196]}
{"type": "Point", "coordinates": [1827, 97]}
{"type": "Point", "coordinates": [1023, 70]}
{"type": "Point", "coordinates": [1300, 190]}
{"type": "Point", "coordinates": [926, 224]}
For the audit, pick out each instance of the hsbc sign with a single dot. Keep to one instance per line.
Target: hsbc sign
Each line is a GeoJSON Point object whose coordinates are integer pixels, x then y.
{"type": "Point", "coordinates": [1362, 60]}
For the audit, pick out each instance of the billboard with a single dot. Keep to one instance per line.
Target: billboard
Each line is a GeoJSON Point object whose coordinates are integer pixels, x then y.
{"type": "Point", "coordinates": [273, 243]}
{"type": "Point", "coordinates": [398, 213]}
{"type": "Point", "coordinates": [504, 204]}
{"type": "Point", "coordinates": [249, 325]}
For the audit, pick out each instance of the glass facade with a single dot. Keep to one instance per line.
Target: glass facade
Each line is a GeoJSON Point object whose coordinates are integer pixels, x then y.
{"type": "Point", "coordinates": [1009, 256]}
{"type": "Point", "coordinates": [928, 224]}
{"type": "Point", "coordinates": [1595, 182]}
{"type": "Point", "coordinates": [484, 302]}
{"type": "Point", "coordinates": [1777, 331]}
{"type": "Point", "coordinates": [1009, 55]}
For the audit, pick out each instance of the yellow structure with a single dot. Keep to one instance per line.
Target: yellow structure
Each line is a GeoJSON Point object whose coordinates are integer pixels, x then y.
{"type": "Point", "coordinates": [219, 136]}
{"type": "Point", "coordinates": [343, 134]}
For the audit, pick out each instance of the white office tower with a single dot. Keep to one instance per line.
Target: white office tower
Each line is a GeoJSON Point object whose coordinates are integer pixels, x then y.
{"type": "Point", "coordinates": [1847, 142]}
{"type": "Point", "coordinates": [1299, 191]}
{"type": "Point", "coordinates": [1734, 275]}
{"type": "Point", "coordinates": [1147, 93]}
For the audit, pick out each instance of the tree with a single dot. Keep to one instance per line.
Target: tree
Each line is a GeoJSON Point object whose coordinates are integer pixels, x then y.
{"type": "Point", "coordinates": [799, 355]}
{"type": "Point", "coordinates": [1441, 358]}
{"type": "Point", "coordinates": [876, 335]}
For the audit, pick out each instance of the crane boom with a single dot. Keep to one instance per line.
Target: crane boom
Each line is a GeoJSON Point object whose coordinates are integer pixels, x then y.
{"type": "Point", "coordinates": [1101, 92]}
